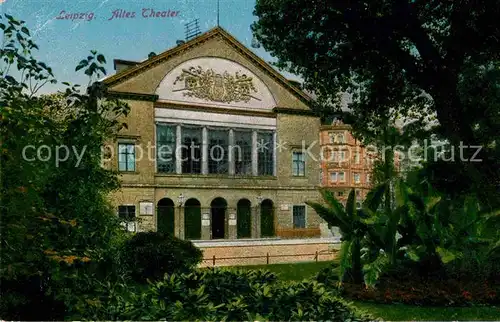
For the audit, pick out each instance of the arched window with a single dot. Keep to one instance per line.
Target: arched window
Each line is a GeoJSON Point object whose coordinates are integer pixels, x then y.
{"type": "Point", "coordinates": [218, 209]}
{"type": "Point", "coordinates": [165, 218]}
{"type": "Point", "coordinates": [267, 218]}
{"type": "Point", "coordinates": [192, 219]}
{"type": "Point", "coordinates": [244, 218]}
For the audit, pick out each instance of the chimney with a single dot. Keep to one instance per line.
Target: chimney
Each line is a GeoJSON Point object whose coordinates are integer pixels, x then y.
{"type": "Point", "coordinates": [180, 42]}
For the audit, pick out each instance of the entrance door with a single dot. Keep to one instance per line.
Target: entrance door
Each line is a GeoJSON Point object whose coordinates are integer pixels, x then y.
{"type": "Point", "coordinates": [218, 210]}
{"type": "Point", "coordinates": [192, 219]}
{"type": "Point", "coordinates": [165, 216]}
{"type": "Point", "coordinates": [244, 217]}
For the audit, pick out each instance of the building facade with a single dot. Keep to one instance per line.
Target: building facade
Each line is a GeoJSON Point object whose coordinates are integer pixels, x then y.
{"type": "Point", "coordinates": [346, 163]}
{"type": "Point", "coordinates": [218, 144]}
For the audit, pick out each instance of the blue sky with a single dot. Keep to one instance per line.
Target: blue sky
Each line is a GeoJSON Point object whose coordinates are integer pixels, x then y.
{"type": "Point", "coordinates": [63, 42]}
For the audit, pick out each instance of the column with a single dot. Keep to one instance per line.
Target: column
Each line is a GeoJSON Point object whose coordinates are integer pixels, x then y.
{"type": "Point", "coordinates": [231, 152]}
{"type": "Point", "coordinates": [255, 169]}
{"type": "Point", "coordinates": [254, 221]}
{"type": "Point", "coordinates": [177, 222]}
{"type": "Point", "coordinates": [274, 153]}
{"type": "Point", "coordinates": [205, 224]}
{"type": "Point", "coordinates": [204, 151]}
{"type": "Point", "coordinates": [232, 227]}
{"type": "Point", "coordinates": [258, 219]}
{"type": "Point", "coordinates": [178, 150]}
{"type": "Point", "coordinates": [181, 222]}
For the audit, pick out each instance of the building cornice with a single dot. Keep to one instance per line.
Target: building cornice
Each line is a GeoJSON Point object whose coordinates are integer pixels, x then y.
{"type": "Point", "coordinates": [335, 127]}
{"type": "Point", "coordinates": [293, 111]}
{"type": "Point", "coordinates": [133, 96]}
{"type": "Point", "coordinates": [213, 109]}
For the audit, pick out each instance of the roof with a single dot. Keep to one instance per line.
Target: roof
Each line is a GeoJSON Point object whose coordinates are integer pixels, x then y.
{"type": "Point", "coordinates": [124, 62]}
{"type": "Point", "coordinates": [140, 67]}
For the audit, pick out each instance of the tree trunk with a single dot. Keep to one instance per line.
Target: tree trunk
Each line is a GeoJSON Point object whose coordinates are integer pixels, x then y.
{"type": "Point", "coordinates": [357, 273]}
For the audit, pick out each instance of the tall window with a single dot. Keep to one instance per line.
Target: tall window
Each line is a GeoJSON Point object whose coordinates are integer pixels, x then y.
{"type": "Point", "coordinates": [218, 140]}
{"type": "Point", "coordinates": [265, 154]}
{"type": "Point", "coordinates": [191, 149]}
{"type": "Point", "coordinates": [341, 176]}
{"type": "Point", "coordinates": [165, 148]}
{"type": "Point", "coordinates": [242, 152]}
{"type": "Point", "coordinates": [356, 157]}
{"type": "Point", "coordinates": [331, 135]}
{"type": "Point", "coordinates": [342, 155]}
{"type": "Point", "coordinates": [336, 137]}
{"type": "Point", "coordinates": [357, 178]}
{"type": "Point", "coordinates": [299, 216]}
{"type": "Point", "coordinates": [298, 164]}
{"type": "Point", "coordinates": [127, 215]}
{"type": "Point", "coordinates": [126, 157]}
{"type": "Point", "coordinates": [333, 176]}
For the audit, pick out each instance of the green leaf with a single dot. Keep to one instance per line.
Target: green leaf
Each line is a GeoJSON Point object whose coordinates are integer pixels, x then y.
{"type": "Point", "coordinates": [25, 30]}
{"type": "Point", "coordinates": [81, 64]}
{"type": "Point", "coordinates": [412, 254]}
{"type": "Point", "coordinates": [350, 206]}
{"type": "Point", "coordinates": [101, 59]}
{"type": "Point", "coordinates": [344, 258]}
{"type": "Point", "coordinates": [431, 202]}
{"type": "Point", "coordinates": [374, 197]}
{"type": "Point", "coordinates": [447, 255]}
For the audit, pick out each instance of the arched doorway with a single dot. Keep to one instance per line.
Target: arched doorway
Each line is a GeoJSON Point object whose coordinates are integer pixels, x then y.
{"type": "Point", "coordinates": [165, 216]}
{"type": "Point", "coordinates": [192, 219]}
{"type": "Point", "coordinates": [244, 218]}
{"type": "Point", "coordinates": [267, 218]}
{"type": "Point", "coordinates": [218, 209]}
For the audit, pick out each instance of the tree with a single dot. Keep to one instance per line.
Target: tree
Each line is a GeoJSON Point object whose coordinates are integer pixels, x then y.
{"type": "Point", "coordinates": [415, 58]}
{"type": "Point", "coordinates": [56, 220]}
{"type": "Point", "coordinates": [352, 227]}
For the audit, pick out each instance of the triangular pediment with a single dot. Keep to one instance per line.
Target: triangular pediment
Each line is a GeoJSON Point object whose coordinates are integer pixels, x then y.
{"type": "Point", "coordinates": [214, 69]}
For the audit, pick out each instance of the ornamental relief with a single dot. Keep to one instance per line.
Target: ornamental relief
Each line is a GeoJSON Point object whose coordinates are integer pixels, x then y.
{"type": "Point", "coordinates": [212, 86]}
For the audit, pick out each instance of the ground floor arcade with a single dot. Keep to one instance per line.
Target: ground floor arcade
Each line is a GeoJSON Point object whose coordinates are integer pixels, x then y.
{"type": "Point", "coordinates": [218, 214]}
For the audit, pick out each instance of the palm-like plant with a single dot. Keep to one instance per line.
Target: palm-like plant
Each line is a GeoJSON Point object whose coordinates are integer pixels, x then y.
{"type": "Point", "coordinates": [353, 229]}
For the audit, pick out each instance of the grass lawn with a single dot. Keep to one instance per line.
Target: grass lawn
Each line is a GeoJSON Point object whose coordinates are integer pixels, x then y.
{"type": "Point", "coordinates": [293, 272]}
{"type": "Point", "coordinates": [396, 312]}
{"type": "Point", "coordinates": [389, 312]}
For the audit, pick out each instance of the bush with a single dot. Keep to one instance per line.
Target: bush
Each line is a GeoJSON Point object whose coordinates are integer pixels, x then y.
{"type": "Point", "coordinates": [409, 286]}
{"type": "Point", "coordinates": [149, 255]}
{"type": "Point", "coordinates": [328, 275]}
{"type": "Point", "coordinates": [225, 294]}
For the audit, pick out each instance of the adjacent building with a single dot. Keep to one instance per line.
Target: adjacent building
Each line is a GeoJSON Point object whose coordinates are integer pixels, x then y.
{"type": "Point", "coordinates": [346, 163]}
{"type": "Point", "coordinates": [219, 145]}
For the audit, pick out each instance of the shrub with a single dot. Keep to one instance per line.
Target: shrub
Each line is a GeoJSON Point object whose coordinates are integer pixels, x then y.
{"type": "Point", "coordinates": [149, 255]}
{"type": "Point", "coordinates": [227, 295]}
{"type": "Point", "coordinates": [328, 275]}
{"type": "Point", "coordinates": [409, 286]}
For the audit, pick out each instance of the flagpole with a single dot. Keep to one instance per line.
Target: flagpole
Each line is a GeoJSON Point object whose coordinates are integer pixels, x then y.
{"type": "Point", "coordinates": [217, 13]}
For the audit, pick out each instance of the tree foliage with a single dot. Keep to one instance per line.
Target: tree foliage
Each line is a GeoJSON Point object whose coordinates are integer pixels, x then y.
{"type": "Point", "coordinates": [56, 220]}
{"type": "Point", "coordinates": [399, 59]}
